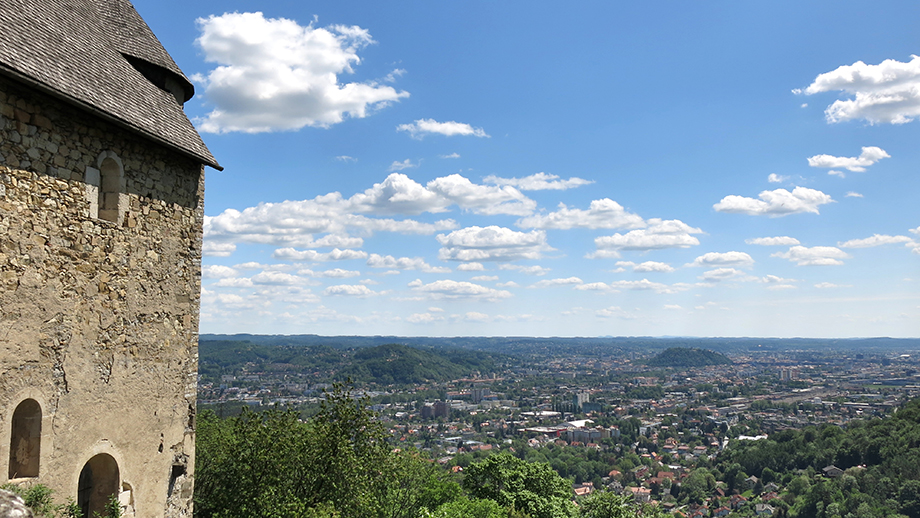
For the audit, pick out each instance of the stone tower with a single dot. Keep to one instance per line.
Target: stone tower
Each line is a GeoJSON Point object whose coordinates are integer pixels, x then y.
{"type": "Point", "coordinates": [101, 197]}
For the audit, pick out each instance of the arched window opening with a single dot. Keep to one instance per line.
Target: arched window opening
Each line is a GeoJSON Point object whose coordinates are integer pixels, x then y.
{"type": "Point", "coordinates": [26, 439]}
{"type": "Point", "coordinates": [99, 481]}
{"type": "Point", "coordinates": [109, 189]}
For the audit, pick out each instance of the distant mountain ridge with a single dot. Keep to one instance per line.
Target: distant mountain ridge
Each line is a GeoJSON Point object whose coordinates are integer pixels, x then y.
{"type": "Point", "coordinates": [687, 357]}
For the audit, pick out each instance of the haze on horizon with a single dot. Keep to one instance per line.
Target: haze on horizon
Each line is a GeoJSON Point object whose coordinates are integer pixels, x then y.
{"type": "Point", "coordinates": [552, 170]}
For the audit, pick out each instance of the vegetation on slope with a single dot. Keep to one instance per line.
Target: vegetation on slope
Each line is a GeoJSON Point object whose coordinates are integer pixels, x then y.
{"type": "Point", "coordinates": [384, 364]}
{"type": "Point", "coordinates": [687, 357]}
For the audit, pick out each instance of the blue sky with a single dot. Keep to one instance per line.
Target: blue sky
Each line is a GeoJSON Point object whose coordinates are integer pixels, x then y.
{"type": "Point", "coordinates": [543, 169]}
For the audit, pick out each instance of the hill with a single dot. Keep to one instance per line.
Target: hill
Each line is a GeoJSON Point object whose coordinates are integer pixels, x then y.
{"type": "Point", "coordinates": [687, 357]}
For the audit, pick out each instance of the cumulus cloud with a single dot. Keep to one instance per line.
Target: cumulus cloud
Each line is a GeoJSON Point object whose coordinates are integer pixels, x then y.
{"type": "Point", "coordinates": [422, 127]}
{"type": "Point", "coordinates": [885, 93]}
{"type": "Point", "coordinates": [643, 285]}
{"type": "Point", "coordinates": [773, 241]}
{"type": "Point", "coordinates": [338, 273]}
{"type": "Point", "coordinates": [349, 290]}
{"type": "Point", "coordinates": [450, 289]}
{"type": "Point", "coordinates": [423, 318]}
{"type": "Point", "coordinates": [277, 278]}
{"type": "Point", "coordinates": [869, 156]}
{"type": "Point", "coordinates": [852, 194]}
{"type": "Point", "coordinates": [721, 274]}
{"type": "Point", "coordinates": [528, 270]}
{"type": "Point", "coordinates": [723, 259]}
{"type": "Point", "coordinates": [539, 182]}
{"type": "Point", "coordinates": [775, 178]}
{"type": "Point", "coordinates": [452, 155]}
{"type": "Point", "coordinates": [482, 199]}
{"type": "Point", "coordinates": [775, 203]}
{"type": "Point", "coordinates": [647, 266]}
{"type": "Point", "coordinates": [875, 240]}
{"type": "Point", "coordinates": [658, 235]}
{"type": "Point", "coordinates": [346, 158]}
{"type": "Point", "coordinates": [492, 243]}
{"type": "Point", "coordinates": [215, 249]}
{"type": "Point", "coordinates": [604, 213]}
{"type": "Point", "coordinates": [814, 256]}
{"type": "Point", "coordinates": [216, 271]}
{"type": "Point", "coordinates": [485, 278]}
{"type": "Point", "coordinates": [399, 166]}
{"type": "Point", "coordinates": [291, 254]}
{"type": "Point", "coordinates": [614, 311]}
{"type": "Point", "coordinates": [556, 282]}
{"type": "Point", "coordinates": [404, 263]}
{"type": "Point", "coordinates": [471, 267]}
{"type": "Point", "coordinates": [274, 74]}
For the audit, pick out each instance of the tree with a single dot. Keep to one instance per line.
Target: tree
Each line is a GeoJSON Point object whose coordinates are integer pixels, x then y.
{"type": "Point", "coordinates": [533, 488]}
{"type": "Point", "coordinates": [605, 504]}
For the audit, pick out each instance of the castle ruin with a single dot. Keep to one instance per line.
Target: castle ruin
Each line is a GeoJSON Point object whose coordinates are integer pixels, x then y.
{"type": "Point", "coordinates": [101, 209]}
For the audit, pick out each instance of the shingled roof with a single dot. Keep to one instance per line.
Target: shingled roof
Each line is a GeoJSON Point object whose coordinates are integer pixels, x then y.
{"type": "Point", "coordinates": [101, 56]}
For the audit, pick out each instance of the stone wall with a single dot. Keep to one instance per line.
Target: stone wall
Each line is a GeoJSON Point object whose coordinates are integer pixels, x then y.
{"type": "Point", "coordinates": [98, 319]}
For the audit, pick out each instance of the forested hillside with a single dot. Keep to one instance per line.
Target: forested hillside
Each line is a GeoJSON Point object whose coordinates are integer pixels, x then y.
{"type": "Point", "coordinates": [687, 357]}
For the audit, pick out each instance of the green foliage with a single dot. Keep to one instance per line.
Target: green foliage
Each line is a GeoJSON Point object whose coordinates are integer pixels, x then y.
{"type": "Point", "coordinates": [385, 364]}
{"type": "Point", "coordinates": [112, 509]}
{"type": "Point", "coordinates": [338, 464]}
{"type": "Point", "coordinates": [604, 504]}
{"type": "Point", "coordinates": [468, 508]}
{"type": "Point", "coordinates": [533, 488]}
{"type": "Point", "coordinates": [687, 357]}
{"type": "Point", "coordinates": [38, 498]}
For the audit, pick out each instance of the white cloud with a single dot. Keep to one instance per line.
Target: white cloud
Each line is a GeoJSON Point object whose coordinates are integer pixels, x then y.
{"type": "Point", "coordinates": [485, 278]}
{"type": "Point", "coordinates": [509, 284]}
{"type": "Point", "coordinates": [721, 274]}
{"type": "Point", "coordinates": [528, 270]}
{"type": "Point", "coordinates": [674, 307]}
{"type": "Point", "coordinates": [346, 158]}
{"type": "Point", "coordinates": [471, 267]}
{"type": "Point", "coordinates": [773, 241]}
{"type": "Point", "coordinates": [399, 166]}
{"type": "Point", "coordinates": [658, 235]}
{"type": "Point", "coordinates": [450, 289]}
{"type": "Point", "coordinates": [492, 243]}
{"type": "Point", "coordinates": [404, 263]}
{"type": "Point", "coordinates": [723, 259]}
{"type": "Point", "coordinates": [774, 279]}
{"type": "Point", "coordinates": [213, 249]}
{"type": "Point", "coordinates": [538, 182]}
{"type": "Point", "coordinates": [833, 172]}
{"type": "Point", "coordinates": [814, 256]}
{"type": "Point", "coordinates": [277, 278]}
{"type": "Point", "coordinates": [556, 282]}
{"type": "Point", "coordinates": [869, 156]}
{"type": "Point", "coordinates": [423, 318]}
{"type": "Point", "coordinates": [422, 127]}
{"type": "Point", "coordinates": [350, 290]}
{"type": "Point", "coordinates": [875, 240]}
{"type": "Point", "coordinates": [274, 74]}
{"type": "Point", "coordinates": [216, 271]}
{"type": "Point", "coordinates": [852, 194]}
{"type": "Point", "coordinates": [604, 213]}
{"type": "Point", "coordinates": [614, 311]}
{"type": "Point", "coordinates": [291, 254]}
{"type": "Point", "coordinates": [339, 273]}
{"type": "Point", "coordinates": [452, 155]}
{"type": "Point", "coordinates": [775, 178]}
{"type": "Point", "coordinates": [234, 282]}
{"type": "Point", "coordinates": [482, 199]}
{"type": "Point", "coordinates": [830, 285]}
{"type": "Point", "coordinates": [475, 316]}
{"type": "Point", "coordinates": [642, 285]}
{"type": "Point", "coordinates": [885, 93]}
{"type": "Point", "coordinates": [775, 203]}
{"type": "Point", "coordinates": [647, 266]}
